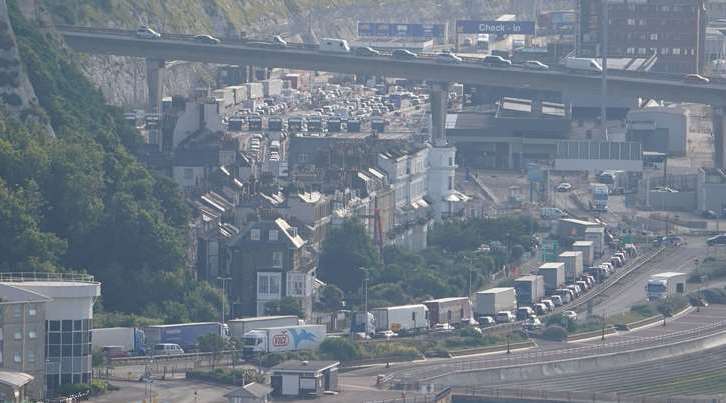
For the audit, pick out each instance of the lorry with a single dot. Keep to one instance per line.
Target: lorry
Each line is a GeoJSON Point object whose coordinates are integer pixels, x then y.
{"type": "Point", "coordinates": [573, 265]}
{"type": "Point", "coordinates": [453, 310]}
{"type": "Point", "coordinates": [588, 251]}
{"type": "Point", "coordinates": [599, 194]}
{"type": "Point", "coordinates": [583, 64]}
{"type": "Point", "coordinates": [554, 275]}
{"type": "Point", "coordinates": [530, 289]}
{"type": "Point", "coordinates": [664, 285]}
{"type": "Point", "coordinates": [239, 327]}
{"type": "Point", "coordinates": [282, 339]}
{"type": "Point", "coordinates": [186, 335]}
{"type": "Point", "coordinates": [130, 339]}
{"type": "Point", "coordinates": [402, 318]}
{"type": "Point", "coordinates": [493, 300]}
{"type": "Point", "coordinates": [362, 322]}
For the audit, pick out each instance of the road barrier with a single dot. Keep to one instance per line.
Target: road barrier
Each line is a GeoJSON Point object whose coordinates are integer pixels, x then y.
{"type": "Point", "coordinates": [476, 393]}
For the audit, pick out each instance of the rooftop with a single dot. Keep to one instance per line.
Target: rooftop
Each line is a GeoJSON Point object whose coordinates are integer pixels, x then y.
{"type": "Point", "coordinates": [304, 366]}
{"type": "Point", "coordinates": [449, 299]}
{"type": "Point", "coordinates": [251, 390]}
{"type": "Point", "coordinates": [15, 379]}
{"type": "Point", "coordinates": [494, 290]}
{"type": "Point", "coordinates": [46, 278]}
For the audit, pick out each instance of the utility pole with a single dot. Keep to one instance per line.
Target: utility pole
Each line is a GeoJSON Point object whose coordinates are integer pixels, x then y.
{"type": "Point", "coordinates": [604, 16]}
{"type": "Point", "coordinates": [224, 282]}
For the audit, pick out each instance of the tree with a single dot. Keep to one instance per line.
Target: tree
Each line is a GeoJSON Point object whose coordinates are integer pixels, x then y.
{"type": "Point", "coordinates": [212, 343]}
{"type": "Point", "coordinates": [347, 249]}
{"type": "Point", "coordinates": [285, 306]}
{"type": "Point", "coordinates": [339, 349]}
{"type": "Point", "coordinates": [331, 298]}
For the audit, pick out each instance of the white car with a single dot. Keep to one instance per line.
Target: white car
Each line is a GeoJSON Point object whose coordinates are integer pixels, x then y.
{"type": "Point", "coordinates": [486, 321]}
{"type": "Point", "coordinates": [564, 187]}
{"type": "Point", "coordinates": [442, 327]}
{"type": "Point", "coordinates": [446, 57]}
{"type": "Point", "coordinates": [571, 315]}
{"type": "Point", "coordinates": [535, 65]}
{"type": "Point", "coordinates": [147, 33]}
{"type": "Point", "coordinates": [532, 324]}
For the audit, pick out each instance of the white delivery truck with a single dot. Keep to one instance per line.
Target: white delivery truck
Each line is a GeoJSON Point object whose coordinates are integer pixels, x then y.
{"type": "Point", "coordinates": [281, 339]}
{"type": "Point", "coordinates": [493, 300]}
{"type": "Point", "coordinates": [239, 327]}
{"type": "Point", "coordinates": [664, 285]}
{"type": "Point", "coordinates": [583, 64]}
{"type": "Point", "coordinates": [401, 318]}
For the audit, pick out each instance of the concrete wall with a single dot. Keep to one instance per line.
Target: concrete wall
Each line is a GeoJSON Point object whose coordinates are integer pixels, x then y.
{"type": "Point", "coordinates": [673, 119]}
{"type": "Point", "coordinates": [678, 201]}
{"type": "Point", "coordinates": [578, 365]}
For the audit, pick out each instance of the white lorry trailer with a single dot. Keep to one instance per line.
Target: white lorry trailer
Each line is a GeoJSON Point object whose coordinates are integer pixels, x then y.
{"type": "Point", "coordinates": [239, 327]}
{"type": "Point", "coordinates": [664, 285]}
{"type": "Point", "coordinates": [493, 300]}
{"type": "Point", "coordinates": [401, 318]}
{"type": "Point", "coordinates": [281, 339]}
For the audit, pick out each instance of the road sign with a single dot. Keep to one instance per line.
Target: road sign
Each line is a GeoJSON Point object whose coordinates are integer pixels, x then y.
{"type": "Point", "coordinates": [402, 30]}
{"type": "Point", "coordinates": [549, 250]}
{"type": "Point", "coordinates": [495, 27]}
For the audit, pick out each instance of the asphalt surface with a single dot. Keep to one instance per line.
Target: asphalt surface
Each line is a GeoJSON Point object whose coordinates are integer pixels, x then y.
{"type": "Point", "coordinates": [174, 391]}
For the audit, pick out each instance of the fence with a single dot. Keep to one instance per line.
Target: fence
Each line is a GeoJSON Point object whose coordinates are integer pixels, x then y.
{"type": "Point", "coordinates": [43, 276]}
{"type": "Point", "coordinates": [475, 394]}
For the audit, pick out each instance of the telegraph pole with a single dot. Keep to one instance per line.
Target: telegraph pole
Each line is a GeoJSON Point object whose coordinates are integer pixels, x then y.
{"type": "Point", "coordinates": [224, 282]}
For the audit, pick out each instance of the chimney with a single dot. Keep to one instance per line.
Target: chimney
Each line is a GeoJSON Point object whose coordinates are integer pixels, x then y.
{"type": "Point", "coordinates": [293, 231]}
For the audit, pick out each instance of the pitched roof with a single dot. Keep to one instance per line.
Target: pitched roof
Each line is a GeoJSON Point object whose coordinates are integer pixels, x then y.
{"type": "Point", "coordinates": [293, 236]}
{"type": "Point", "coordinates": [15, 379]}
{"type": "Point", "coordinates": [251, 390]}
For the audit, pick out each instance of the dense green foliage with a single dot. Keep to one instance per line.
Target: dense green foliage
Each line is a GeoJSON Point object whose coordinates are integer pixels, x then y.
{"type": "Point", "coordinates": [441, 270]}
{"type": "Point", "coordinates": [339, 349]}
{"type": "Point", "coordinates": [284, 306]}
{"type": "Point", "coordinates": [81, 201]}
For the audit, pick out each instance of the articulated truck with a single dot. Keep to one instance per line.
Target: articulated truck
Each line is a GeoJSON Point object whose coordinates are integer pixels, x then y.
{"type": "Point", "coordinates": [664, 285]}
{"type": "Point", "coordinates": [281, 339]}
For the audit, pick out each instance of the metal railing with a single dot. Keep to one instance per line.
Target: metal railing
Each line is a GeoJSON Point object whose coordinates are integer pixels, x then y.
{"type": "Point", "coordinates": [17, 277]}
{"type": "Point", "coordinates": [413, 376]}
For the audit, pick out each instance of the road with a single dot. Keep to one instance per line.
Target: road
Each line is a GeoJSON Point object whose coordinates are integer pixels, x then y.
{"type": "Point", "coordinates": [183, 47]}
{"type": "Point", "coordinates": [175, 391]}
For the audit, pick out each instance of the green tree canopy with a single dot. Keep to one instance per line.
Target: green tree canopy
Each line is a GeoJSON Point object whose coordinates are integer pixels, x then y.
{"type": "Point", "coordinates": [346, 249]}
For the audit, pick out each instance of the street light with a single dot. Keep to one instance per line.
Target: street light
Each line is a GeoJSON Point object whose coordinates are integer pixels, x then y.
{"type": "Point", "coordinates": [223, 280]}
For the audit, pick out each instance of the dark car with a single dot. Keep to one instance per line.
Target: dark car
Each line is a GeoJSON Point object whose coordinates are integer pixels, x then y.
{"type": "Point", "coordinates": [366, 51]}
{"type": "Point", "coordinates": [496, 61]}
{"type": "Point", "coordinates": [717, 240]}
{"type": "Point", "coordinates": [404, 54]}
{"type": "Point", "coordinates": [709, 214]}
{"type": "Point", "coordinates": [208, 39]}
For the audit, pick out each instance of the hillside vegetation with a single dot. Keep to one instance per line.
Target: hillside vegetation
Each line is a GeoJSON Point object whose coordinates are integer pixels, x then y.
{"type": "Point", "coordinates": [81, 201]}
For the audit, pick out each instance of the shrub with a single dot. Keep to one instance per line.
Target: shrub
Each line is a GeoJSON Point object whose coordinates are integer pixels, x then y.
{"type": "Point", "coordinates": [555, 333]}
{"type": "Point", "coordinates": [226, 376]}
{"type": "Point", "coordinates": [340, 349]}
{"type": "Point", "coordinates": [715, 295]}
{"type": "Point", "coordinates": [644, 309]}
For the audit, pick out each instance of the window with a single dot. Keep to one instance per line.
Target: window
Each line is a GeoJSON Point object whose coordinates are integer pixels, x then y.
{"type": "Point", "coordinates": [17, 357]}
{"type": "Point", "coordinates": [653, 37]}
{"type": "Point", "coordinates": [268, 285]}
{"type": "Point", "coordinates": [451, 161]}
{"type": "Point", "coordinates": [18, 336]}
{"type": "Point", "coordinates": [31, 356]}
{"type": "Point", "coordinates": [630, 51]}
{"type": "Point", "coordinates": [17, 311]}
{"type": "Point", "coordinates": [32, 334]}
{"type": "Point", "coordinates": [188, 173]}
{"type": "Point", "coordinates": [665, 51]}
{"type": "Point", "coordinates": [273, 235]}
{"type": "Point", "coordinates": [631, 21]}
{"type": "Point", "coordinates": [296, 284]}
{"type": "Point", "coordinates": [255, 235]}
{"type": "Point", "coordinates": [276, 259]}
{"type": "Point", "coordinates": [32, 311]}
{"type": "Point", "coordinates": [642, 51]}
{"type": "Point", "coordinates": [676, 51]}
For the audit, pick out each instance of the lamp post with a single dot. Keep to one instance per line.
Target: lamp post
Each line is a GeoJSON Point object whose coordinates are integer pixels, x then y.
{"type": "Point", "coordinates": [223, 280]}
{"type": "Point", "coordinates": [365, 290]}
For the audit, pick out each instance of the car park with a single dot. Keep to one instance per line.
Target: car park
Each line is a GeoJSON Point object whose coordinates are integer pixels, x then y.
{"type": "Point", "coordinates": [207, 39]}
{"type": "Point", "coordinates": [535, 65]}
{"type": "Point", "coordinates": [496, 61]}
{"type": "Point", "coordinates": [145, 32]}
{"type": "Point", "coordinates": [404, 54]}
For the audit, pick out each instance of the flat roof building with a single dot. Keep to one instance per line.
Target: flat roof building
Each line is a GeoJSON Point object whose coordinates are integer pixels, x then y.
{"type": "Point", "coordinates": [304, 378]}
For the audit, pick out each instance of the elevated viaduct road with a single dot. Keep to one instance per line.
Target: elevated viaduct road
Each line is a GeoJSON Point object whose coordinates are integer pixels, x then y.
{"type": "Point", "coordinates": [183, 47]}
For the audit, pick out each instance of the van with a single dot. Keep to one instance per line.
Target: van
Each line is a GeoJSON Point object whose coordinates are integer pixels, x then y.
{"type": "Point", "coordinates": [566, 294]}
{"type": "Point", "coordinates": [540, 309]}
{"type": "Point", "coordinates": [549, 304]}
{"type": "Point", "coordinates": [576, 290]}
{"type": "Point", "coordinates": [616, 262]}
{"type": "Point", "coordinates": [583, 64]}
{"type": "Point", "coordinates": [524, 313]}
{"type": "Point", "coordinates": [167, 349]}
{"type": "Point", "coordinates": [504, 317]}
{"type": "Point", "coordinates": [334, 45]}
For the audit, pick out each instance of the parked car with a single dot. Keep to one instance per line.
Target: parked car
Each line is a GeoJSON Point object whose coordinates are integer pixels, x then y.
{"type": "Point", "coordinates": [145, 32]}
{"type": "Point", "coordinates": [564, 187]}
{"type": "Point", "coordinates": [366, 51]}
{"type": "Point", "coordinates": [446, 57]}
{"type": "Point", "coordinates": [496, 61]}
{"type": "Point", "coordinates": [695, 79]}
{"type": "Point", "coordinates": [709, 214]}
{"type": "Point", "coordinates": [486, 321]}
{"type": "Point", "coordinates": [207, 39]}
{"type": "Point", "coordinates": [532, 324]}
{"type": "Point", "coordinates": [404, 54]}
{"type": "Point", "coordinates": [535, 65]}
{"type": "Point", "coordinates": [571, 315]}
{"type": "Point", "coordinates": [556, 299]}
{"type": "Point", "coordinates": [167, 349]}
{"type": "Point", "coordinates": [717, 240]}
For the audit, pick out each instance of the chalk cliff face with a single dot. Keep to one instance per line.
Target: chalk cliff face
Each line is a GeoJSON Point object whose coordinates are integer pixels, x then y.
{"type": "Point", "coordinates": [123, 80]}
{"type": "Point", "coordinates": [16, 92]}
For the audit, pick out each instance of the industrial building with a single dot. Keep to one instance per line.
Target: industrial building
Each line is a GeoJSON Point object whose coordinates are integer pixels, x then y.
{"type": "Point", "coordinates": [659, 128]}
{"type": "Point", "coordinates": [672, 31]}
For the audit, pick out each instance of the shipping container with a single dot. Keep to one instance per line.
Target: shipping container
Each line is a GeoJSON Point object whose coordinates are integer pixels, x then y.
{"type": "Point", "coordinates": [588, 251]}
{"type": "Point", "coordinates": [493, 300]}
{"type": "Point", "coordinates": [530, 289]}
{"type": "Point", "coordinates": [573, 265]}
{"type": "Point", "coordinates": [452, 310]}
{"type": "Point", "coordinates": [404, 317]}
{"type": "Point", "coordinates": [553, 274]}
{"type": "Point", "coordinates": [239, 327]}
